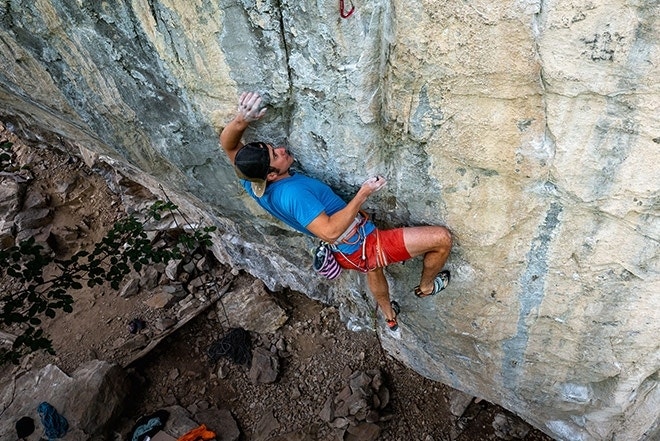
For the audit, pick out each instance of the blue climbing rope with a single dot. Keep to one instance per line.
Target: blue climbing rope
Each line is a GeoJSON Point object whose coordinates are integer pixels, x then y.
{"type": "Point", "coordinates": [55, 425]}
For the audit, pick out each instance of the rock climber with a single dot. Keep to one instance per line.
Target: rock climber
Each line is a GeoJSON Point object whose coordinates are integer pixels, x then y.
{"type": "Point", "coordinates": [312, 208]}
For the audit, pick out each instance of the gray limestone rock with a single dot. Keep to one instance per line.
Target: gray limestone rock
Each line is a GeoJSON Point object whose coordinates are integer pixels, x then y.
{"type": "Point", "coordinates": [529, 128]}
{"type": "Point", "coordinates": [327, 413]}
{"type": "Point", "coordinates": [172, 269]}
{"type": "Point", "coordinates": [253, 309]}
{"type": "Point", "coordinates": [362, 432]}
{"type": "Point", "coordinates": [221, 422]}
{"type": "Point", "coordinates": [165, 323]}
{"type": "Point", "coordinates": [130, 288]}
{"type": "Point", "coordinates": [179, 421]}
{"type": "Point", "coordinates": [90, 399]}
{"type": "Point", "coordinates": [508, 428]}
{"type": "Point", "coordinates": [265, 366]}
{"type": "Point", "coordinates": [149, 279]}
{"type": "Point", "coordinates": [357, 402]}
{"type": "Point", "coordinates": [160, 300]}
{"type": "Point", "coordinates": [459, 402]}
{"type": "Point", "coordinates": [265, 425]}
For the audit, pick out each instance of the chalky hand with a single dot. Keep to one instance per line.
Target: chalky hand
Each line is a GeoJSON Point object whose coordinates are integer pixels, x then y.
{"type": "Point", "coordinates": [374, 184]}
{"type": "Point", "coordinates": [249, 106]}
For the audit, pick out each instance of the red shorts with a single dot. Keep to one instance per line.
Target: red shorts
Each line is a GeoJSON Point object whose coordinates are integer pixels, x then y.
{"type": "Point", "coordinates": [382, 248]}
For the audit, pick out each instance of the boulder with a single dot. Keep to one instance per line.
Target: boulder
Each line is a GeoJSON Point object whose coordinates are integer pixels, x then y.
{"type": "Point", "coordinates": [252, 308]}
{"type": "Point", "coordinates": [265, 366]}
{"type": "Point", "coordinates": [91, 399]}
{"type": "Point", "coordinates": [130, 288]}
{"type": "Point", "coordinates": [509, 428]}
{"type": "Point", "coordinates": [459, 402]}
{"type": "Point", "coordinates": [178, 422]}
{"type": "Point", "coordinates": [221, 422]}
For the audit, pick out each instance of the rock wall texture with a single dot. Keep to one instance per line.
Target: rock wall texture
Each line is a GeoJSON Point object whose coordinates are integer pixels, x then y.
{"type": "Point", "coordinates": [530, 127]}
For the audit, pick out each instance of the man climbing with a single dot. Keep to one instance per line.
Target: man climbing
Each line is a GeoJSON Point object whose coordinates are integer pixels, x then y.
{"type": "Point", "coordinates": [311, 207]}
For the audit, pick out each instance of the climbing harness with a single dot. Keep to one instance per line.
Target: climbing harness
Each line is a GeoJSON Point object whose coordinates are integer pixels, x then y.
{"type": "Point", "coordinates": [343, 12]}
{"type": "Point", "coordinates": [363, 265]}
{"type": "Point", "coordinates": [325, 263]}
{"type": "Point", "coordinates": [360, 219]}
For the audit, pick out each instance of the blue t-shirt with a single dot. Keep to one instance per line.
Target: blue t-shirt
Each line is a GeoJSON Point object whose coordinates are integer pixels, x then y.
{"type": "Point", "coordinates": [298, 200]}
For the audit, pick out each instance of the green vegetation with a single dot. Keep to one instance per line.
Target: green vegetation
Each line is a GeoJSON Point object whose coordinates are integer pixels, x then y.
{"type": "Point", "coordinates": [37, 285]}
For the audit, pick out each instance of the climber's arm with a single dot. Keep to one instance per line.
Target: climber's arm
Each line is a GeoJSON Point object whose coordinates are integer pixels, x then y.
{"type": "Point", "coordinates": [329, 228]}
{"type": "Point", "coordinates": [248, 111]}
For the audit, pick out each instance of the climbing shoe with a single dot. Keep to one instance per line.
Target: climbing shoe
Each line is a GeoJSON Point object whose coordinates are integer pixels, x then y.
{"type": "Point", "coordinates": [392, 324]}
{"type": "Point", "coordinates": [439, 283]}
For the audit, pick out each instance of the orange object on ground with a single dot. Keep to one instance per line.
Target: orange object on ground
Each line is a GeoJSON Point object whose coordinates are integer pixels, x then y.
{"type": "Point", "coordinates": [200, 433]}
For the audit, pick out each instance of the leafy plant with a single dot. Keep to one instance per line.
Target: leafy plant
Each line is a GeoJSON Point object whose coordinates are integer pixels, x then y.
{"type": "Point", "coordinates": [38, 284]}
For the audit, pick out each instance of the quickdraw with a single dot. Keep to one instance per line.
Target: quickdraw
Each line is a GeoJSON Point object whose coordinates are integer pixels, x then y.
{"type": "Point", "coordinates": [344, 13]}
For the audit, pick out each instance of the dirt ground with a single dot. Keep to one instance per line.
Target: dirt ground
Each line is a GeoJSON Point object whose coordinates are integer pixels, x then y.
{"type": "Point", "coordinates": [321, 352]}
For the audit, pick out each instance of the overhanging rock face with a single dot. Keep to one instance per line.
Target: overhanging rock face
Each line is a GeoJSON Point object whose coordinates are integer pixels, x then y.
{"type": "Point", "coordinates": [530, 128]}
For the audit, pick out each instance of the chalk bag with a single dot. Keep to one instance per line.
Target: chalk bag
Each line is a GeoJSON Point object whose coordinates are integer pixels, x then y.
{"type": "Point", "coordinates": [325, 263]}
